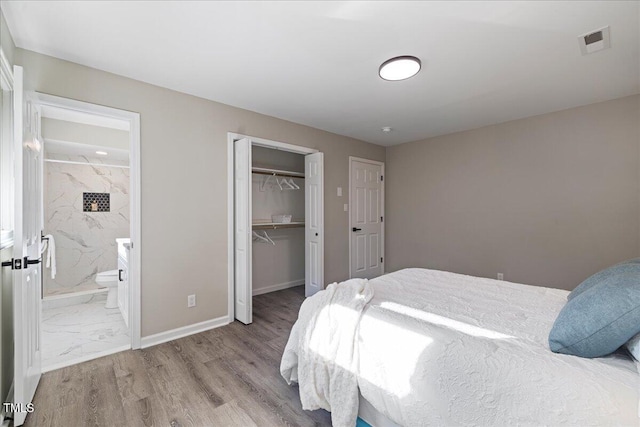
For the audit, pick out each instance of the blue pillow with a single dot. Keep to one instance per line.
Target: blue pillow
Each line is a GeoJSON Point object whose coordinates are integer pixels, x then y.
{"type": "Point", "coordinates": [597, 278]}
{"type": "Point", "coordinates": [602, 317]}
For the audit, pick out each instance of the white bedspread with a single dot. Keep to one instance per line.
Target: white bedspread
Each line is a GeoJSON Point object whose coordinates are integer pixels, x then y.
{"type": "Point", "coordinates": [438, 348]}
{"type": "Point", "coordinates": [321, 354]}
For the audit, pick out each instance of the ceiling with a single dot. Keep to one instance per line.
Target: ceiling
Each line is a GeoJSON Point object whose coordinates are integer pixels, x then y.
{"type": "Point", "coordinates": [78, 134]}
{"type": "Point", "coordinates": [316, 63]}
{"type": "Point", "coordinates": [86, 151]}
{"type": "Point", "coordinates": [74, 116]}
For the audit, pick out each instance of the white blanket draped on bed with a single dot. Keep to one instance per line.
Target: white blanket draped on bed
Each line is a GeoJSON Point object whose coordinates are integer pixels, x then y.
{"type": "Point", "coordinates": [438, 348]}
{"type": "Point", "coordinates": [321, 351]}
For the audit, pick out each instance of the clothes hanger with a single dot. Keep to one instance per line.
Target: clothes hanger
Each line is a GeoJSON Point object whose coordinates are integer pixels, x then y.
{"type": "Point", "coordinates": [293, 184]}
{"type": "Point", "coordinates": [265, 182]}
{"type": "Point", "coordinates": [269, 238]}
{"type": "Point", "coordinates": [288, 184]}
{"type": "Point", "coordinates": [265, 238]}
{"type": "Point", "coordinates": [259, 237]}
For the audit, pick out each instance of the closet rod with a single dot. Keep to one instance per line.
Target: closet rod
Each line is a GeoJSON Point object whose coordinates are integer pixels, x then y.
{"type": "Point", "coordinates": [277, 225]}
{"type": "Point", "coordinates": [276, 172]}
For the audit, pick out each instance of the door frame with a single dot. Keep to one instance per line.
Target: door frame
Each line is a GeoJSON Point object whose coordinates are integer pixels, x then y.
{"type": "Point", "coordinates": [373, 162]}
{"type": "Point", "coordinates": [134, 196]}
{"type": "Point", "coordinates": [232, 137]}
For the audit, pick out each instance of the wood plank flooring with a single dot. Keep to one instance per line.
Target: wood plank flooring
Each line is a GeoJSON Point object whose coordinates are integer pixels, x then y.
{"type": "Point", "coordinates": [224, 377]}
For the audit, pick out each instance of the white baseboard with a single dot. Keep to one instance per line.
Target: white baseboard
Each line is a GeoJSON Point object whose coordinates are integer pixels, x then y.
{"type": "Point", "coordinates": [278, 287]}
{"type": "Point", "coordinates": [184, 331]}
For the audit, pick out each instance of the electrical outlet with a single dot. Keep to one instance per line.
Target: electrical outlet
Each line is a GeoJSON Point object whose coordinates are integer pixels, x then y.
{"type": "Point", "coordinates": [191, 301]}
{"type": "Point", "coordinates": [339, 191]}
{"type": "Point", "coordinates": [500, 276]}
{"type": "Point", "coordinates": [346, 207]}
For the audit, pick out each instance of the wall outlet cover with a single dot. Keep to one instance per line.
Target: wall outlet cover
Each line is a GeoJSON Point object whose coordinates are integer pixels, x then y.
{"type": "Point", "coordinates": [191, 301]}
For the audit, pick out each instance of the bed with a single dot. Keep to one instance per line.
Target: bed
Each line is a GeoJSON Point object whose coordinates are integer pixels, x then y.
{"type": "Point", "coordinates": [425, 347]}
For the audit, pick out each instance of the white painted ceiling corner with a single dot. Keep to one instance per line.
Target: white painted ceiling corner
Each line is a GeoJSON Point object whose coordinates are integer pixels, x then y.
{"type": "Point", "coordinates": [316, 63]}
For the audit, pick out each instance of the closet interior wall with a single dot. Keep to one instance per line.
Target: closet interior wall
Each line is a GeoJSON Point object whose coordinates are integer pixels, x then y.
{"type": "Point", "coordinates": [281, 265]}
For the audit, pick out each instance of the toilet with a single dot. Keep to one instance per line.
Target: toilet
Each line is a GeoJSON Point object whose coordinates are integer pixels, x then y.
{"type": "Point", "coordinates": [109, 279]}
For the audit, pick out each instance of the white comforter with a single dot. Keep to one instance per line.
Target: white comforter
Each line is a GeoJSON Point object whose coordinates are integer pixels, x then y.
{"type": "Point", "coordinates": [438, 348]}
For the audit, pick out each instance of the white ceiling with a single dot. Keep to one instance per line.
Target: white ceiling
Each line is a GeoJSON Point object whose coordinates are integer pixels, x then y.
{"type": "Point", "coordinates": [317, 63]}
{"type": "Point", "coordinates": [114, 155]}
{"type": "Point", "coordinates": [63, 136]}
{"type": "Point", "coordinates": [74, 116]}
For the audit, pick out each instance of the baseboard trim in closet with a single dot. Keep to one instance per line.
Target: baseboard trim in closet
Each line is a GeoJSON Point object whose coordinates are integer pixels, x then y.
{"type": "Point", "coordinates": [278, 287]}
{"type": "Point", "coordinates": [162, 337]}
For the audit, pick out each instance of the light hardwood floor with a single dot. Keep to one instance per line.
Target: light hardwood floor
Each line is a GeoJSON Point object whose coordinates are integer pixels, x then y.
{"type": "Point", "coordinates": [224, 377]}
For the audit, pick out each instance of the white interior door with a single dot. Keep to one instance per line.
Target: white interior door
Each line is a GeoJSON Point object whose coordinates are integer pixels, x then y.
{"type": "Point", "coordinates": [314, 223]}
{"type": "Point", "coordinates": [27, 229]}
{"type": "Point", "coordinates": [366, 202]}
{"type": "Point", "coordinates": [242, 225]}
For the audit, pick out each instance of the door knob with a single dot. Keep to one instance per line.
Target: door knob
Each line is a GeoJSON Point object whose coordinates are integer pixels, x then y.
{"type": "Point", "coordinates": [354, 229]}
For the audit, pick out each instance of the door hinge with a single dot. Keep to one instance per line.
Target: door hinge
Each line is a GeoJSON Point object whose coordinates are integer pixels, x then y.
{"type": "Point", "coordinates": [381, 219]}
{"type": "Point", "coordinates": [381, 177]}
{"type": "Point", "coordinates": [381, 259]}
{"type": "Point", "coordinates": [15, 264]}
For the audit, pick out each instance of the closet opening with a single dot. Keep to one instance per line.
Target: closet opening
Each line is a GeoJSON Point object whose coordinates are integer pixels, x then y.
{"type": "Point", "coordinates": [276, 233]}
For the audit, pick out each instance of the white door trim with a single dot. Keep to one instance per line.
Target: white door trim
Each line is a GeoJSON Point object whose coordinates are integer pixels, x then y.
{"type": "Point", "coordinates": [261, 142]}
{"type": "Point", "coordinates": [381, 164]}
{"type": "Point", "coordinates": [134, 163]}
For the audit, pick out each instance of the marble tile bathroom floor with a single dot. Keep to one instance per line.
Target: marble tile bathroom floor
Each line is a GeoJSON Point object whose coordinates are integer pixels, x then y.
{"type": "Point", "coordinates": [79, 332]}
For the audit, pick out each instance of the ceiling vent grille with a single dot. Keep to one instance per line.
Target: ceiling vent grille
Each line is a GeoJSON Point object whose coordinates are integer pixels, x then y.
{"type": "Point", "coordinates": [595, 41]}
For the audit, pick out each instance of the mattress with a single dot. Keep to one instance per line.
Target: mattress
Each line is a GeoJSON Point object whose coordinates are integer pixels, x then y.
{"type": "Point", "coordinates": [438, 348]}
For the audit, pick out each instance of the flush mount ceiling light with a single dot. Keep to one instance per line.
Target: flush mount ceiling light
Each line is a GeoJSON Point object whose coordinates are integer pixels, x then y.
{"type": "Point", "coordinates": [399, 68]}
{"type": "Point", "coordinates": [387, 129]}
{"type": "Point", "coordinates": [102, 153]}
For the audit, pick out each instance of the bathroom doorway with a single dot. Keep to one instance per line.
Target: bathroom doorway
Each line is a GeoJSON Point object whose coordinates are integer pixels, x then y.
{"type": "Point", "coordinates": [90, 224]}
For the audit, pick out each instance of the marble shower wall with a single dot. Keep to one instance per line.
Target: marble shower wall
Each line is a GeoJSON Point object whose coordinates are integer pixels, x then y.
{"type": "Point", "coordinates": [85, 241]}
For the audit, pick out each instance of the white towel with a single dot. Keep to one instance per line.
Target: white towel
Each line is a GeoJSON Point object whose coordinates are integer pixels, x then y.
{"type": "Point", "coordinates": [51, 255]}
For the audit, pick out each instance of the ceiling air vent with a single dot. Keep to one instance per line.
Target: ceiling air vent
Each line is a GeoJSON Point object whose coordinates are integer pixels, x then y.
{"type": "Point", "coordinates": [595, 41]}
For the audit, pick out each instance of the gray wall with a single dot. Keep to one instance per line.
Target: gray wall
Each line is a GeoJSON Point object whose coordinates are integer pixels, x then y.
{"type": "Point", "coordinates": [184, 184]}
{"type": "Point", "coordinates": [546, 200]}
{"type": "Point", "coordinates": [8, 46]}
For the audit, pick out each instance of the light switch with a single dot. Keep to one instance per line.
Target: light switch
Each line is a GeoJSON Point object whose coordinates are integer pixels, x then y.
{"type": "Point", "coordinates": [339, 191]}
{"type": "Point", "coordinates": [346, 207]}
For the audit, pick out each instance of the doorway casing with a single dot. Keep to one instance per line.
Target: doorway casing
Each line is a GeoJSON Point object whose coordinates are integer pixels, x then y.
{"type": "Point", "coordinates": [134, 164]}
{"type": "Point", "coordinates": [260, 142]}
{"type": "Point", "coordinates": [351, 206]}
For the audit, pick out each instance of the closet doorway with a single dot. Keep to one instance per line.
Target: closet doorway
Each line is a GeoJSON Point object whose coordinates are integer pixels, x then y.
{"type": "Point", "coordinates": [276, 214]}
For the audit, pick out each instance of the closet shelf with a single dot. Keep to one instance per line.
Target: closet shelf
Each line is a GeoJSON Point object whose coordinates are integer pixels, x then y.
{"type": "Point", "coordinates": [276, 225]}
{"type": "Point", "coordinates": [277, 172]}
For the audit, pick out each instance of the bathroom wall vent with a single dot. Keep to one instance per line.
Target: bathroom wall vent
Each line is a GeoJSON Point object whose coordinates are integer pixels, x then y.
{"type": "Point", "coordinates": [595, 41]}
